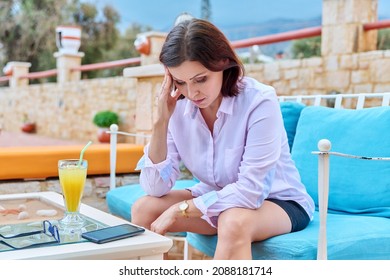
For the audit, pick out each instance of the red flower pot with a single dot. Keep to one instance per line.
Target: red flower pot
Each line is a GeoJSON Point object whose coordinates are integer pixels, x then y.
{"type": "Point", "coordinates": [103, 137]}
{"type": "Point", "coordinates": [28, 127]}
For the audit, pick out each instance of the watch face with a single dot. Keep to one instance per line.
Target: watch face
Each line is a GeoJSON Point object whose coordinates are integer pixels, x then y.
{"type": "Point", "coordinates": [183, 206]}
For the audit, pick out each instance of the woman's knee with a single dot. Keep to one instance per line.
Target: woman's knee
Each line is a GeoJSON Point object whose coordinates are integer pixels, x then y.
{"type": "Point", "coordinates": [232, 225]}
{"type": "Point", "coordinates": [139, 204]}
{"type": "Point", "coordinates": [142, 211]}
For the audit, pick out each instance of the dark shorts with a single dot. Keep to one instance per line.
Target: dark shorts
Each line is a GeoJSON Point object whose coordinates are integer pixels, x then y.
{"type": "Point", "coordinates": [298, 216]}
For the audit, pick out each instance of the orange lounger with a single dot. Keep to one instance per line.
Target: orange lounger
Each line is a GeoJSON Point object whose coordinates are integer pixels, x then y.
{"type": "Point", "coordinates": [41, 162]}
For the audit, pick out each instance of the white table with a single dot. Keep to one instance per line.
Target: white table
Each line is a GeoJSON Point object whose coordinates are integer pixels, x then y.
{"type": "Point", "coordinates": [145, 246]}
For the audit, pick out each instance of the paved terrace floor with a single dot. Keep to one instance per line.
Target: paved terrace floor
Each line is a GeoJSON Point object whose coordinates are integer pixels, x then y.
{"type": "Point", "coordinates": [18, 139]}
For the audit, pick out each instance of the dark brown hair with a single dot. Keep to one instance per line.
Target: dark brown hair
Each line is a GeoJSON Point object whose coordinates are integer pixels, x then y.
{"type": "Point", "coordinates": [201, 41]}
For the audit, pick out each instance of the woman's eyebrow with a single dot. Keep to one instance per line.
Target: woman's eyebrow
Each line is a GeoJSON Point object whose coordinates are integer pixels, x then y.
{"type": "Point", "coordinates": [173, 77]}
{"type": "Point", "coordinates": [197, 75]}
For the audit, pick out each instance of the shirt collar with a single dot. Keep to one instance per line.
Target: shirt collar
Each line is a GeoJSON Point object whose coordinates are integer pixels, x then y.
{"type": "Point", "coordinates": [226, 107]}
{"type": "Point", "coordinates": [190, 109]}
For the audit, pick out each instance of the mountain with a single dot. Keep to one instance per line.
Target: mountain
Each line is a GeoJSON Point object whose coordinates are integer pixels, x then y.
{"type": "Point", "coordinates": [274, 26]}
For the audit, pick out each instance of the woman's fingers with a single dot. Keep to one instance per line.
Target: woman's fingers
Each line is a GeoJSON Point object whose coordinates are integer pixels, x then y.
{"type": "Point", "coordinates": [166, 87]}
{"type": "Point", "coordinates": [167, 98]}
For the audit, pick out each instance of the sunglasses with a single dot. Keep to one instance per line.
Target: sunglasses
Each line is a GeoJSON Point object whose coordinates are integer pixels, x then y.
{"type": "Point", "coordinates": [48, 230]}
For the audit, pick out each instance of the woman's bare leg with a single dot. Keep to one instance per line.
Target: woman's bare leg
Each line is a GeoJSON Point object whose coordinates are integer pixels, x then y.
{"type": "Point", "coordinates": [239, 227]}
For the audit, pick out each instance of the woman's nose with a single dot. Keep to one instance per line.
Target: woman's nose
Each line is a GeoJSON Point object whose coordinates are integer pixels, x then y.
{"type": "Point", "coordinates": [191, 91]}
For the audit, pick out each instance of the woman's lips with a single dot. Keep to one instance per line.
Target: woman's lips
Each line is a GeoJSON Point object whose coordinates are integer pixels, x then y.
{"type": "Point", "coordinates": [198, 102]}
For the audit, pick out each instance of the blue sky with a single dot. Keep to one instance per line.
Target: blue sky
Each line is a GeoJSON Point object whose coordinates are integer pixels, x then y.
{"type": "Point", "coordinates": [160, 14]}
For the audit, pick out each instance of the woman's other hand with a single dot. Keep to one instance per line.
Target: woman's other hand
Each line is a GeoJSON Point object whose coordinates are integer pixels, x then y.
{"type": "Point", "coordinates": [163, 223]}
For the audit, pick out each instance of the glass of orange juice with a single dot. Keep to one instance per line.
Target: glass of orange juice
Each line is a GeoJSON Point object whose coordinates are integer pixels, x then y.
{"type": "Point", "coordinates": [72, 174]}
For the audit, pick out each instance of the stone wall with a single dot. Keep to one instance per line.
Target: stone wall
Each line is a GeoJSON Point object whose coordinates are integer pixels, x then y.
{"type": "Point", "coordinates": [66, 110]}
{"type": "Point", "coordinates": [346, 73]}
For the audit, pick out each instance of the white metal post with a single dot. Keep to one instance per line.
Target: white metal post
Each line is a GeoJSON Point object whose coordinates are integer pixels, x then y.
{"type": "Point", "coordinates": [113, 140]}
{"type": "Point", "coordinates": [323, 192]}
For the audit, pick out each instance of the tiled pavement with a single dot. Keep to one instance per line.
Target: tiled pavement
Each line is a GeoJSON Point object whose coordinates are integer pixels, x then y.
{"type": "Point", "coordinates": [16, 139]}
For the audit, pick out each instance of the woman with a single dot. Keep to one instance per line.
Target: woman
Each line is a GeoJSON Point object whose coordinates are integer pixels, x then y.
{"type": "Point", "coordinates": [228, 131]}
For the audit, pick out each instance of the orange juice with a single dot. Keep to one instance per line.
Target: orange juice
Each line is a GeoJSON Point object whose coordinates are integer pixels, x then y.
{"type": "Point", "coordinates": [72, 180]}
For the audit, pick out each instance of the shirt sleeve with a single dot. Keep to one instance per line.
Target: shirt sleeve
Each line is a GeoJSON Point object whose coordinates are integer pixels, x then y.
{"type": "Point", "coordinates": [262, 150]}
{"type": "Point", "coordinates": [158, 179]}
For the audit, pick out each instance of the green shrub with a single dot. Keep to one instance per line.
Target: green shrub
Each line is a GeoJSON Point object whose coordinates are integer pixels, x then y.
{"type": "Point", "coordinates": [383, 39]}
{"type": "Point", "coordinates": [105, 118]}
{"type": "Point", "coordinates": [305, 48]}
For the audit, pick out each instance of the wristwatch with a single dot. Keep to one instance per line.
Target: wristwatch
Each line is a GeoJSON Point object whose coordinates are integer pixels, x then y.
{"type": "Point", "coordinates": [183, 208]}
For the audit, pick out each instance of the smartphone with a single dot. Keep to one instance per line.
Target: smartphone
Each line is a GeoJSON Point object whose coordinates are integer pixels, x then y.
{"type": "Point", "coordinates": [112, 233]}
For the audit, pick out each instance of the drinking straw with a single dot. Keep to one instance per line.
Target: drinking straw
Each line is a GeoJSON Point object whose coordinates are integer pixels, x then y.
{"type": "Point", "coordinates": [82, 152]}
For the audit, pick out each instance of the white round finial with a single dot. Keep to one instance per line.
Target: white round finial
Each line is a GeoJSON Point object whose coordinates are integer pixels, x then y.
{"type": "Point", "coordinates": [183, 17]}
{"type": "Point", "coordinates": [324, 145]}
{"type": "Point", "coordinates": [114, 127]}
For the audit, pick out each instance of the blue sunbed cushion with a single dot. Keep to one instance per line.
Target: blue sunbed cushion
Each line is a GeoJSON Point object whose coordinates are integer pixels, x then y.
{"type": "Point", "coordinates": [350, 237]}
{"type": "Point", "coordinates": [356, 186]}
{"type": "Point", "coordinates": [291, 112]}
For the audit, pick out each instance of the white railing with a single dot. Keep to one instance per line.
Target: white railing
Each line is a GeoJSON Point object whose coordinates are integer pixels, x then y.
{"type": "Point", "coordinates": [114, 132]}
{"type": "Point", "coordinates": [339, 99]}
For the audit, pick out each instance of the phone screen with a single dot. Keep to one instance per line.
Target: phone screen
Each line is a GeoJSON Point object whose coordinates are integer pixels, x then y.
{"type": "Point", "coordinates": [112, 233]}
